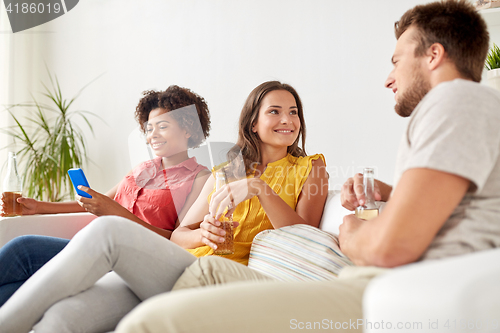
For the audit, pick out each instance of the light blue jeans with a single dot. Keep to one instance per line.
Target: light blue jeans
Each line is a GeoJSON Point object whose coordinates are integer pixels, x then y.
{"type": "Point", "coordinates": [65, 292]}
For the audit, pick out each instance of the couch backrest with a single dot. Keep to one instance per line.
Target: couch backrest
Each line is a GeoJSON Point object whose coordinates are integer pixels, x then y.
{"type": "Point", "coordinates": [334, 213]}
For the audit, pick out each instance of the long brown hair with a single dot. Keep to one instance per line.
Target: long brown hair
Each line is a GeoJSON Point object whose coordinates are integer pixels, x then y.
{"type": "Point", "coordinates": [248, 141]}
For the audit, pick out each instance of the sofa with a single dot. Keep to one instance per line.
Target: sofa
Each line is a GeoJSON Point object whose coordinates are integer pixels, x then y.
{"type": "Point", "coordinates": [459, 294]}
{"type": "Point", "coordinates": [56, 225]}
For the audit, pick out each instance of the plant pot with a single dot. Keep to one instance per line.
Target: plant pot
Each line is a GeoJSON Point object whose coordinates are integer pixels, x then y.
{"type": "Point", "coordinates": [493, 78]}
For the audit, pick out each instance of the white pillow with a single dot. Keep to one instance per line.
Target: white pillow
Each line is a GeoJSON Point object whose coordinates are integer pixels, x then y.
{"type": "Point", "coordinates": [333, 214]}
{"type": "Point", "coordinates": [298, 252]}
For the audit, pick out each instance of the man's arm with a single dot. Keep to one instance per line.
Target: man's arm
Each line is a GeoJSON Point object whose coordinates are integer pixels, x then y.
{"type": "Point", "coordinates": [420, 205]}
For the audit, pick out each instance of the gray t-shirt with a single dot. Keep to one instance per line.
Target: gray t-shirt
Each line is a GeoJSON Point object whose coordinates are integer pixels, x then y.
{"type": "Point", "coordinates": [456, 129]}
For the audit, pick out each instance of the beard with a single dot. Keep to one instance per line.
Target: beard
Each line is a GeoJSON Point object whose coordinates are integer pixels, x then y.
{"type": "Point", "coordinates": [410, 99]}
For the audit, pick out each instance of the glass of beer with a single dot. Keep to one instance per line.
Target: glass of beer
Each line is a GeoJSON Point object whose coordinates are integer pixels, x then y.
{"type": "Point", "coordinates": [370, 209]}
{"type": "Point", "coordinates": [226, 247]}
{"type": "Point", "coordinates": [12, 188]}
{"type": "Point", "coordinates": [10, 206]}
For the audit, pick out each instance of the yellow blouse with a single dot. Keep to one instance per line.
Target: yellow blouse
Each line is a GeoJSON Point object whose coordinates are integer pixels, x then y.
{"type": "Point", "coordinates": [286, 177]}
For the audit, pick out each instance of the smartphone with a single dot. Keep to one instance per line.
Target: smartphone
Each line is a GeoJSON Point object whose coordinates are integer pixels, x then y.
{"type": "Point", "coordinates": [78, 178]}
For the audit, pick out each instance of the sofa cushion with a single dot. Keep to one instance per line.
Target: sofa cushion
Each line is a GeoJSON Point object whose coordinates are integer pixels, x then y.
{"type": "Point", "coordinates": [456, 294]}
{"type": "Point", "coordinates": [297, 253]}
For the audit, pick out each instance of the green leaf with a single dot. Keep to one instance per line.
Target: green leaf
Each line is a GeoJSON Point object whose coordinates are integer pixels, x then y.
{"type": "Point", "coordinates": [493, 58]}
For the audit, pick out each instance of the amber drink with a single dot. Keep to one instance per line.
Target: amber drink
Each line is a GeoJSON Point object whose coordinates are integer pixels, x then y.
{"type": "Point", "coordinates": [227, 246]}
{"type": "Point", "coordinates": [10, 205]}
{"type": "Point", "coordinates": [12, 187]}
{"type": "Point", "coordinates": [369, 210]}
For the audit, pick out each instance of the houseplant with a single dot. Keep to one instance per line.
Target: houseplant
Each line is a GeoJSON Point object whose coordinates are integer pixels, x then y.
{"type": "Point", "coordinates": [50, 142]}
{"type": "Point", "coordinates": [492, 64]}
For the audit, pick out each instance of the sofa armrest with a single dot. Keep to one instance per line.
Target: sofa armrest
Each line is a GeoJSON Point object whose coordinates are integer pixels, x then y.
{"type": "Point", "coordinates": [458, 294]}
{"type": "Point", "coordinates": [56, 225]}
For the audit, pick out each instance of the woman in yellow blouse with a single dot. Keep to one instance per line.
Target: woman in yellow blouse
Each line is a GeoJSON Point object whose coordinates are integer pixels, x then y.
{"type": "Point", "coordinates": [282, 187]}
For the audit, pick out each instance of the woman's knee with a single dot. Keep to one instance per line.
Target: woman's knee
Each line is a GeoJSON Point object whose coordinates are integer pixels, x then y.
{"type": "Point", "coordinates": [26, 246]}
{"type": "Point", "coordinates": [24, 255]}
{"type": "Point", "coordinates": [19, 243]}
{"type": "Point", "coordinates": [109, 231]}
{"type": "Point", "coordinates": [107, 225]}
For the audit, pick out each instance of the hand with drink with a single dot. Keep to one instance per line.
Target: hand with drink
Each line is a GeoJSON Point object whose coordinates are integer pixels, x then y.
{"type": "Point", "coordinates": [214, 234]}
{"type": "Point", "coordinates": [12, 188]}
{"type": "Point", "coordinates": [361, 192]}
{"type": "Point", "coordinates": [28, 206]}
{"type": "Point", "coordinates": [10, 206]}
{"type": "Point", "coordinates": [223, 220]}
{"type": "Point", "coordinates": [353, 192]}
{"type": "Point", "coordinates": [228, 197]}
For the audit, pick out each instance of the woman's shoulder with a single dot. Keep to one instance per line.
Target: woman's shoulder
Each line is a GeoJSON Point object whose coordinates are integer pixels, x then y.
{"type": "Point", "coordinates": [307, 160]}
{"type": "Point", "coordinates": [149, 165]}
{"type": "Point", "coordinates": [219, 167]}
{"type": "Point", "coordinates": [155, 162]}
{"type": "Point", "coordinates": [195, 166]}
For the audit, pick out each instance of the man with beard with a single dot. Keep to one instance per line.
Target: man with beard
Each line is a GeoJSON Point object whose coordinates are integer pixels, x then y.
{"type": "Point", "coordinates": [447, 198]}
{"type": "Point", "coordinates": [446, 202]}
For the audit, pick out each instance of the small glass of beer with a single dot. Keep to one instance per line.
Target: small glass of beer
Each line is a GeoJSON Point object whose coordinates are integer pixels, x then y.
{"type": "Point", "coordinates": [226, 247]}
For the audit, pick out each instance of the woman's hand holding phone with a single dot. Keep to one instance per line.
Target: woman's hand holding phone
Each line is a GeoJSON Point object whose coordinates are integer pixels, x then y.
{"type": "Point", "coordinates": [78, 178]}
{"type": "Point", "coordinates": [99, 204]}
{"type": "Point", "coordinates": [92, 201]}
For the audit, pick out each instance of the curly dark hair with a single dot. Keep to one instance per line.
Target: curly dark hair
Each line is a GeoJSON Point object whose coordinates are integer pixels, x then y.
{"type": "Point", "coordinates": [174, 98]}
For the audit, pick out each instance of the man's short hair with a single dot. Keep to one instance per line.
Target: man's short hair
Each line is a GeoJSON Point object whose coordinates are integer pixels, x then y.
{"type": "Point", "coordinates": [457, 26]}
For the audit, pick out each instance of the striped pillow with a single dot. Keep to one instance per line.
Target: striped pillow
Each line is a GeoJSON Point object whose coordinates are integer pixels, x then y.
{"type": "Point", "coordinates": [297, 253]}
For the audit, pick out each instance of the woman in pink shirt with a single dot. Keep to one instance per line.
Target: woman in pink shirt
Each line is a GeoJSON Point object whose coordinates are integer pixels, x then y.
{"type": "Point", "coordinates": [156, 194]}
{"type": "Point", "coordinates": [143, 195]}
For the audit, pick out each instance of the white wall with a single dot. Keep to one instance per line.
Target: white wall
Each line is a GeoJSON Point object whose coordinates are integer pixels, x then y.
{"type": "Point", "coordinates": [335, 53]}
{"type": "Point", "coordinates": [4, 82]}
{"type": "Point", "coordinates": [20, 66]}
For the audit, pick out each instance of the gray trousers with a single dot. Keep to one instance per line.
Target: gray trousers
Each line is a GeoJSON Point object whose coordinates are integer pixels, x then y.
{"type": "Point", "coordinates": [69, 293]}
{"type": "Point", "coordinates": [216, 295]}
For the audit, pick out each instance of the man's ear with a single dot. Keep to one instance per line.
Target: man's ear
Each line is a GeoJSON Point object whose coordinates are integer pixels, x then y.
{"type": "Point", "coordinates": [436, 55]}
